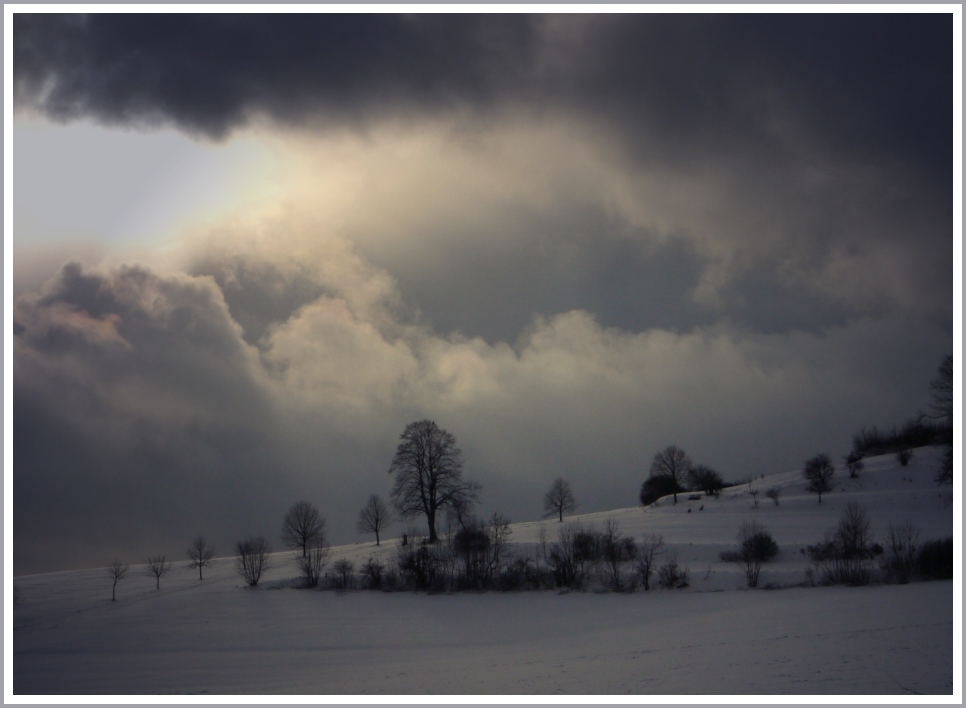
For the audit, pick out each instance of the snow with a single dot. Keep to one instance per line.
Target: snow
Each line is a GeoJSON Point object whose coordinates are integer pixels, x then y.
{"type": "Point", "coordinates": [716, 637]}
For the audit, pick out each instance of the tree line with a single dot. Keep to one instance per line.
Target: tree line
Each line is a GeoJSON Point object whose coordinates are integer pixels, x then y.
{"type": "Point", "coordinates": [428, 469]}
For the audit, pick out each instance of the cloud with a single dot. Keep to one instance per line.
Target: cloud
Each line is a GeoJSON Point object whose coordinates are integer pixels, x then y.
{"type": "Point", "coordinates": [170, 424]}
{"type": "Point", "coordinates": [674, 85]}
{"type": "Point", "coordinates": [211, 73]}
{"type": "Point", "coordinates": [482, 230]}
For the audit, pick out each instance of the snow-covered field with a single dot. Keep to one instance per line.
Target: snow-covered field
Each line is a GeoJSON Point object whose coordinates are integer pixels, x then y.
{"type": "Point", "coordinates": [715, 637]}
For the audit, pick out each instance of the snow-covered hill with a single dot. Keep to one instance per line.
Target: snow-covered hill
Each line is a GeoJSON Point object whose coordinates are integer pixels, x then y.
{"type": "Point", "coordinates": [218, 636]}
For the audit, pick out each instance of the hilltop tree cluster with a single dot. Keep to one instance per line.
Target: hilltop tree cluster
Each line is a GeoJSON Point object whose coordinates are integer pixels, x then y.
{"type": "Point", "coordinates": [672, 472]}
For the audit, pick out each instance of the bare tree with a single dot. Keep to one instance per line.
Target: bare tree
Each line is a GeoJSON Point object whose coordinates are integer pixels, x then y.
{"type": "Point", "coordinates": [647, 553]}
{"type": "Point", "coordinates": [373, 517]}
{"type": "Point", "coordinates": [314, 561]}
{"type": "Point", "coordinates": [559, 499]}
{"type": "Point", "coordinates": [674, 463]}
{"type": "Point", "coordinates": [301, 526]}
{"type": "Point", "coordinates": [616, 551]}
{"type": "Point", "coordinates": [853, 540]}
{"type": "Point", "coordinates": [818, 473]}
{"type": "Point", "coordinates": [117, 570]}
{"type": "Point", "coordinates": [200, 553]}
{"type": "Point", "coordinates": [158, 566]}
{"type": "Point", "coordinates": [429, 474]}
{"type": "Point", "coordinates": [774, 493]}
{"type": "Point", "coordinates": [252, 559]}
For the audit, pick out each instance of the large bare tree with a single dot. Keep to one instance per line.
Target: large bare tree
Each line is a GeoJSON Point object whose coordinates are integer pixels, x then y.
{"type": "Point", "coordinates": [373, 517]}
{"type": "Point", "coordinates": [301, 526]}
{"type": "Point", "coordinates": [429, 474]}
{"type": "Point", "coordinates": [117, 570]}
{"type": "Point", "coordinates": [158, 566]}
{"type": "Point", "coordinates": [674, 463]}
{"type": "Point", "coordinates": [559, 499]}
{"type": "Point", "coordinates": [200, 554]}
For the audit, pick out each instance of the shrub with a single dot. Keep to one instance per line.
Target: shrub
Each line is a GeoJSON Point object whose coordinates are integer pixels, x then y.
{"type": "Point", "coordinates": [342, 574]}
{"type": "Point", "coordinates": [899, 560]}
{"type": "Point", "coordinates": [372, 574]}
{"type": "Point", "coordinates": [648, 551]}
{"type": "Point", "coordinates": [524, 574]}
{"type": "Point", "coordinates": [573, 556]}
{"type": "Point", "coordinates": [479, 551]}
{"type": "Point", "coordinates": [314, 561]}
{"type": "Point", "coordinates": [903, 456]}
{"type": "Point", "coordinates": [936, 559]}
{"type": "Point", "coordinates": [845, 554]}
{"type": "Point", "coordinates": [670, 575]}
{"type": "Point", "coordinates": [252, 559]}
{"type": "Point", "coordinates": [755, 547]}
{"type": "Point", "coordinates": [616, 551]}
{"type": "Point", "coordinates": [423, 566]}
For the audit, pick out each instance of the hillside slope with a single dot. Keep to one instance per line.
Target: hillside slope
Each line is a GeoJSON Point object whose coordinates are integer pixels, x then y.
{"type": "Point", "coordinates": [218, 636]}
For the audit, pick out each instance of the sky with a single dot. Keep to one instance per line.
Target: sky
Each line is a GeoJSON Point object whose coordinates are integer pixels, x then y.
{"type": "Point", "coordinates": [249, 250]}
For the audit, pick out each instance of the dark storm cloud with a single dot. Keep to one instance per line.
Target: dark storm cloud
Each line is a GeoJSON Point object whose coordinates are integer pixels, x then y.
{"type": "Point", "coordinates": [210, 73]}
{"type": "Point", "coordinates": [772, 84]}
{"type": "Point", "coordinates": [829, 138]}
{"type": "Point", "coordinates": [776, 85]}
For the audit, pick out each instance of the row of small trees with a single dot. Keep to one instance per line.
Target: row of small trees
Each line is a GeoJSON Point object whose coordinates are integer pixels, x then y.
{"type": "Point", "coordinates": [476, 557]}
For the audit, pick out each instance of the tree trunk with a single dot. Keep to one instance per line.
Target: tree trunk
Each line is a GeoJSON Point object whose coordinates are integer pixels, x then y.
{"type": "Point", "coordinates": [199, 572]}
{"type": "Point", "coordinates": [377, 537]}
{"type": "Point", "coordinates": [431, 518]}
{"type": "Point", "coordinates": [561, 514]}
{"type": "Point", "coordinates": [113, 588]}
